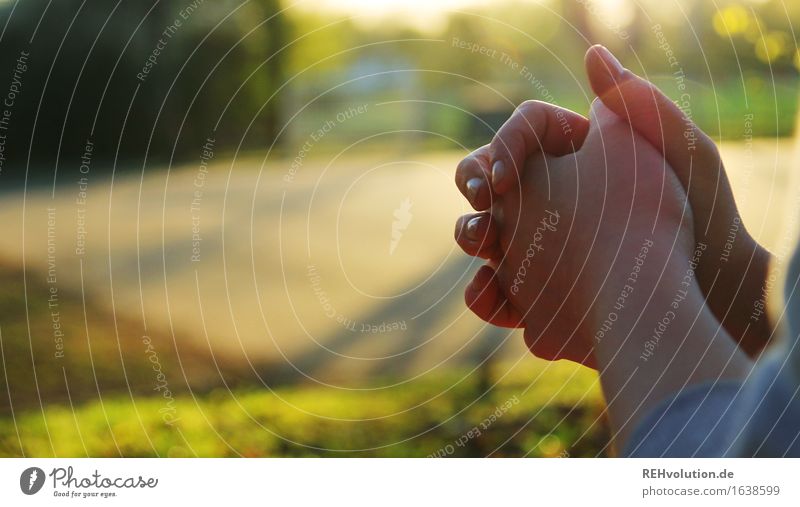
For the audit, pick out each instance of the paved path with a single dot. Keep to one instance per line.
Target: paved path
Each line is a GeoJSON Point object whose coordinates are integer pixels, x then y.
{"type": "Point", "coordinates": [308, 279]}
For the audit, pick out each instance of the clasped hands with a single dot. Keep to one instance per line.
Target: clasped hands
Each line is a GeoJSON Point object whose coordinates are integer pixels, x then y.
{"type": "Point", "coordinates": [573, 213]}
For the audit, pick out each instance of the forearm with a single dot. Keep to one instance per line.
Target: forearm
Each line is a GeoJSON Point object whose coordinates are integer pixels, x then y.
{"type": "Point", "coordinates": [665, 340]}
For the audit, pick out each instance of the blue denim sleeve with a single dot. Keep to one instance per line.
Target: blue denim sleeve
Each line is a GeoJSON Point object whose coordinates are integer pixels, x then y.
{"type": "Point", "coordinates": [756, 418]}
{"type": "Point", "coordinates": [687, 424]}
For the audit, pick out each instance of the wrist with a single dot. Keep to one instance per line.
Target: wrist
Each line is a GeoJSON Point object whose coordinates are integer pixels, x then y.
{"type": "Point", "coordinates": [664, 340]}
{"type": "Point", "coordinates": [738, 297]}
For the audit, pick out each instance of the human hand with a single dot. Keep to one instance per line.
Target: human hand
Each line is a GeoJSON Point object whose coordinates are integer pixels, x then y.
{"type": "Point", "coordinates": [572, 233]}
{"type": "Point", "coordinates": [733, 268]}
{"type": "Point", "coordinates": [548, 129]}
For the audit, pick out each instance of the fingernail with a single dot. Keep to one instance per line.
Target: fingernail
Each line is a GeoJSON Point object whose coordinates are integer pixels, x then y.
{"type": "Point", "coordinates": [473, 188]}
{"type": "Point", "coordinates": [472, 228]}
{"type": "Point", "coordinates": [614, 67]}
{"type": "Point", "coordinates": [498, 172]}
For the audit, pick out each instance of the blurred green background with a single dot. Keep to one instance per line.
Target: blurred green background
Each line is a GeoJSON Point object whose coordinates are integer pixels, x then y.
{"type": "Point", "coordinates": [228, 224]}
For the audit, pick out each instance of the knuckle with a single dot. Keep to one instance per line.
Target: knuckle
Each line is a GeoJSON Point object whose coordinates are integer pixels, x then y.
{"type": "Point", "coordinates": [526, 105]}
{"type": "Point", "coordinates": [463, 168]}
{"type": "Point", "coordinates": [530, 105]}
{"type": "Point", "coordinates": [463, 164]}
{"type": "Point", "coordinates": [509, 141]}
{"type": "Point", "coordinates": [470, 163]}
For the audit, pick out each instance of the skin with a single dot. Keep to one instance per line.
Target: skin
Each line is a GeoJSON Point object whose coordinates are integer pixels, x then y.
{"type": "Point", "coordinates": [573, 230]}
{"type": "Point", "coordinates": [694, 349]}
{"type": "Point", "coordinates": [731, 274]}
{"type": "Point", "coordinates": [614, 192]}
{"type": "Point", "coordinates": [588, 222]}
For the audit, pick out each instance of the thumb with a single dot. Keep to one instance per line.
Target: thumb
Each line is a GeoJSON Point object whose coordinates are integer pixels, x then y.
{"type": "Point", "coordinates": [652, 114]}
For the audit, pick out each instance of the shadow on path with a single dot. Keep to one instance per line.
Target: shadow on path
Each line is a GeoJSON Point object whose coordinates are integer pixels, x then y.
{"type": "Point", "coordinates": [408, 345]}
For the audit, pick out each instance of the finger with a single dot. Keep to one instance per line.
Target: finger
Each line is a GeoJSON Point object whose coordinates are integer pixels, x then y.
{"type": "Point", "coordinates": [484, 297]}
{"type": "Point", "coordinates": [652, 114]}
{"type": "Point", "coordinates": [535, 126]}
{"type": "Point", "coordinates": [472, 178]}
{"type": "Point", "coordinates": [477, 235]}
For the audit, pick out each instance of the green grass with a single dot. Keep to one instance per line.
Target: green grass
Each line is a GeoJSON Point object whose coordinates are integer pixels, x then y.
{"type": "Point", "coordinates": [87, 404]}
{"type": "Point", "coordinates": [558, 414]}
{"type": "Point", "coordinates": [719, 110]}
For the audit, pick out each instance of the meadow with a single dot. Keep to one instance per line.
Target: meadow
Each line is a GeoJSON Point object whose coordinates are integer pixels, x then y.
{"type": "Point", "coordinates": [559, 415]}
